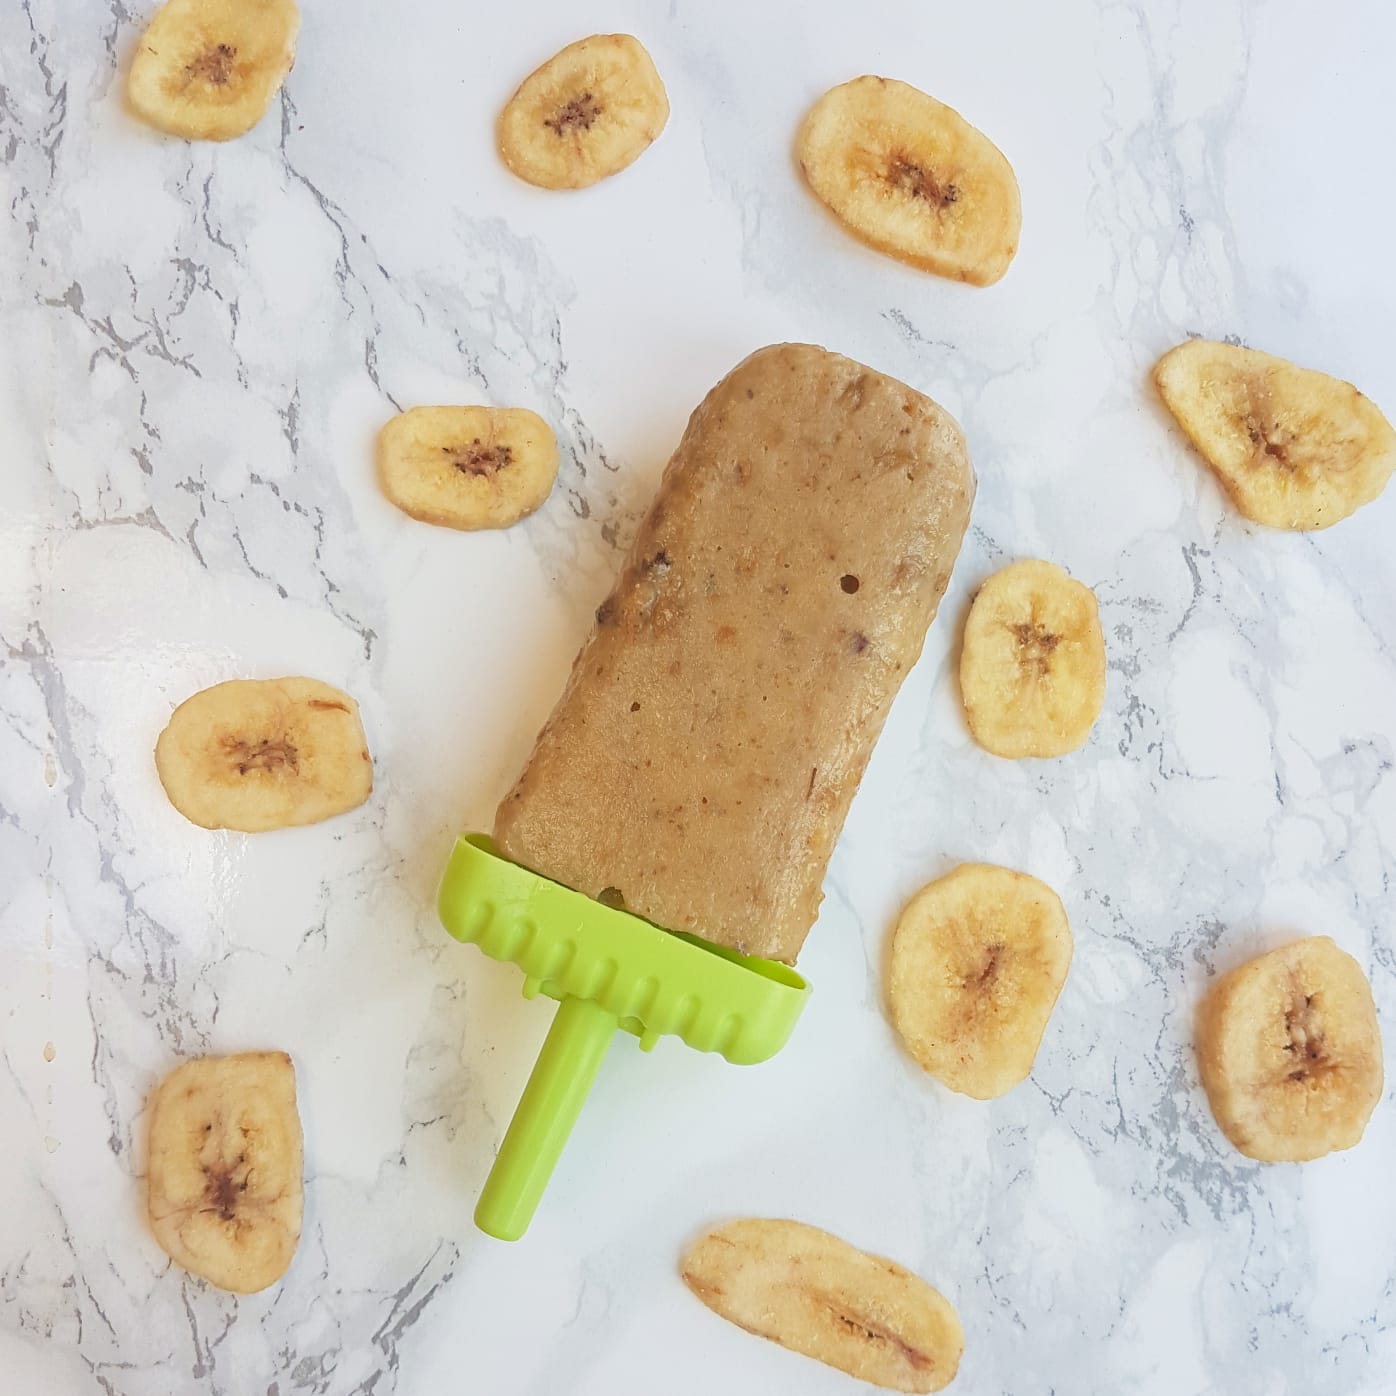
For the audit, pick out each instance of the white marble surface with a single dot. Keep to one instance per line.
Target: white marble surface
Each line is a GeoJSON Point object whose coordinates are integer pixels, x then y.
{"type": "Point", "coordinates": [197, 345]}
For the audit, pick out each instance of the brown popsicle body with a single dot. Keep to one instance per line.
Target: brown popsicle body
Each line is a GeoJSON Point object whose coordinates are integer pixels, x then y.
{"type": "Point", "coordinates": [702, 758]}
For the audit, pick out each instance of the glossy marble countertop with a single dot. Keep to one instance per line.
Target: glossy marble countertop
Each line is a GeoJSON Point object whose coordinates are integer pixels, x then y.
{"type": "Point", "coordinates": [197, 346]}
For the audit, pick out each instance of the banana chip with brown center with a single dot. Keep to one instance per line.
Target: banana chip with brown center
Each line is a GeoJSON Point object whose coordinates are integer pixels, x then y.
{"type": "Point", "coordinates": [1290, 1052]}
{"type": "Point", "coordinates": [912, 178]}
{"type": "Point", "coordinates": [1032, 669]}
{"type": "Point", "coordinates": [588, 112]}
{"type": "Point", "coordinates": [978, 959]}
{"type": "Point", "coordinates": [207, 70]}
{"type": "Point", "coordinates": [819, 1296]}
{"type": "Point", "coordinates": [1293, 447]}
{"type": "Point", "coordinates": [467, 467]}
{"type": "Point", "coordinates": [257, 754]}
{"type": "Point", "coordinates": [224, 1172]}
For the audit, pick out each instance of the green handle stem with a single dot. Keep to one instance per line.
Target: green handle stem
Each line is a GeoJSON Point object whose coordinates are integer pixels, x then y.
{"type": "Point", "coordinates": [577, 1041]}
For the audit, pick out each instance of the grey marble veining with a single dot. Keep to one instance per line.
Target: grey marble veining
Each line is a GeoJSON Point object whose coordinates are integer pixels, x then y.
{"type": "Point", "coordinates": [197, 345]}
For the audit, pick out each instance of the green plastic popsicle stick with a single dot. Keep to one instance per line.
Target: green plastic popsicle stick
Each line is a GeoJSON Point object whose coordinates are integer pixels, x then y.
{"type": "Point", "coordinates": [552, 1100]}
{"type": "Point", "coordinates": [607, 969]}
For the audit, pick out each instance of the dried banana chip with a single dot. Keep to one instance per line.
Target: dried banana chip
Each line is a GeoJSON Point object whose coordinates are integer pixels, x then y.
{"type": "Point", "coordinates": [978, 959]}
{"type": "Point", "coordinates": [588, 112]}
{"type": "Point", "coordinates": [207, 70]}
{"type": "Point", "coordinates": [224, 1173]}
{"type": "Point", "coordinates": [1293, 447]}
{"type": "Point", "coordinates": [912, 178]}
{"type": "Point", "coordinates": [467, 467]}
{"type": "Point", "coordinates": [1290, 1053]}
{"type": "Point", "coordinates": [1032, 670]}
{"type": "Point", "coordinates": [255, 754]}
{"type": "Point", "coordinates": [817, 1295]}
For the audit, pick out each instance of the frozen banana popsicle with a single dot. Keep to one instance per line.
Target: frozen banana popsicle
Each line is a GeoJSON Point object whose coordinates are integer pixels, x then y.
{"type": "Point", "coordinates": [697, 770]}
{"type": "Point", "coordinates": [700, 763]}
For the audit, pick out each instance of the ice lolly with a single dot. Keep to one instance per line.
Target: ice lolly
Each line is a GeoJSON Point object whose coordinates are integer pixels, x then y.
{"type": "Point", "coordinates": [699, 765]}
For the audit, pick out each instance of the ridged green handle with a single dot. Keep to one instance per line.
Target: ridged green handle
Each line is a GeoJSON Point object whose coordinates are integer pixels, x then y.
{"type": "Point", "coordinates": [577, 1041]}
{"type": "Point", "coordinates": [607, 969]}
